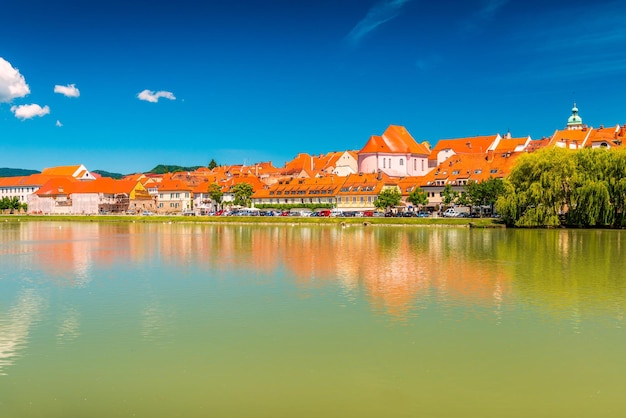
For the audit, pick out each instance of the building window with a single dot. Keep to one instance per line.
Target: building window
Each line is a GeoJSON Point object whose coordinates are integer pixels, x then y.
{"type": "Point", "coordinates": [401, 161]}
{"type": "Point", "coordinates": [384, 163]}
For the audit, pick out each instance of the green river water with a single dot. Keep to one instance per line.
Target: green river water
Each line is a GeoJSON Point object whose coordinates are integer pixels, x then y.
{"type": "Point", "coordinates": [184, 320]}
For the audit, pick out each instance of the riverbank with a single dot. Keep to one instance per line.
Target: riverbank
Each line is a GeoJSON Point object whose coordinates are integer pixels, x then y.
{"type": "Point", "coordinates": [261, 220]}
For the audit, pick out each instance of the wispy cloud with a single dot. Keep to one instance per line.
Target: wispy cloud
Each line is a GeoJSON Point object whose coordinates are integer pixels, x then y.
{"type": "Point", "coordinates": [58, 124]}
{"type": "Point", "coordinates": [29, 111]}
{"type": "Point", "coordinates": [380, 13]}
{"type": "Point", "coordinates": [153, 97]}
{"type": "Point", "coordinates": [12, 83]}
{"type": "Point", "coordinates": [490, 8]}
{"type": "Point", "coordinates": [68, 91]}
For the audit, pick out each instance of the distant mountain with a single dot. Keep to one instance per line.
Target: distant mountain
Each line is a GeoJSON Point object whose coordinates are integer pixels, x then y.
{"type": "Point", "coordinates": [162, 169]}
{"type": "Point", "coordinates": [107, 174]}
{"type": "Point", "coordinates": [16, 172]}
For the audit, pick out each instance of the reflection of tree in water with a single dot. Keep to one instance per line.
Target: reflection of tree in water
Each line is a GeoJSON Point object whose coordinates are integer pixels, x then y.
{"type": "Point", "coordinates": [15, 326]}
{"type": "Point", "coordinates": [573, 274]}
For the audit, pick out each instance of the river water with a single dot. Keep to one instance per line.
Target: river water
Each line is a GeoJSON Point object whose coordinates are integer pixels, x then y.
{"type": "Point", "coordinates": [185, 320]}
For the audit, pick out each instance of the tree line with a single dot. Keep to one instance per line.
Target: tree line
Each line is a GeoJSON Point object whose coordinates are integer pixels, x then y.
{"type": "Point", "coordinates": [12, 204]}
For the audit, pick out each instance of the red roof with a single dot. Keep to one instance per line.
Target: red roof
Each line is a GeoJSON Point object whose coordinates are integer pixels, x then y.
{"type": "Point", "coordinates": [396, 139]}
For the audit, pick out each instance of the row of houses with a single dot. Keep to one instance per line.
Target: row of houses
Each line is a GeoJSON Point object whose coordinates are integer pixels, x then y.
{"type": "Point", "coordinates": [348, 180]}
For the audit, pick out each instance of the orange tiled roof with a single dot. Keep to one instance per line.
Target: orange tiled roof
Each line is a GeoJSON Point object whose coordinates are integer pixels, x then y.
{"type": "Point", "coordinates": [68, 170]}
{"type": "Point", "coordinates": [470, 145]}
{"type": "Point", "coordinates": [537, 144]}
{"type": "Point", "coordinates": [511, 144]}
{"type": "Point", "coordinates": [461, 168]}
{"type": "Point", "coordinates": [308, 185]}
{"type": "Point", "coordinates": [613, 136]}
{"type": "Point", "coordinates": [168, 185]}
{"type": "Point", "coordinates": [366, 183]}
{"type": "Point", "coordinates": [570, 137]}
{"type": "Point", "coordinates": [58, 185]}
{"type": "Point", "coordinates": [396, 139]}
{"type": "Point", "coordinates": [24, 181]}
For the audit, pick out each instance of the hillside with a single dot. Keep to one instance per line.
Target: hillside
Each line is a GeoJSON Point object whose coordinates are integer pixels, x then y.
{"type": "Point", "coordinates": [16, 172]}
{"type": "Point", "coordinates": [107, 174]}
{"type": "Point", "coordinates": [162, 169]}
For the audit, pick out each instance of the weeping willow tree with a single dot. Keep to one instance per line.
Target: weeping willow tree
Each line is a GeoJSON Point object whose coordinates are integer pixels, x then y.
{"type": "Point", "coordinates": [599, 188]}
{"type": "Point", "coordinates": [585, 188]}
{"type": "Point", "coordinates": [538, 188]}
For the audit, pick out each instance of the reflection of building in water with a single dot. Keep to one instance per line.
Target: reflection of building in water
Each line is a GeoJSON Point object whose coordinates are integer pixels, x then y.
{"type": "Point", "coordinates": [396, 269]}
{"type": "Point", "coordinates": [16, 324]}
{"type": "Point", "coordinates": [62, 252]}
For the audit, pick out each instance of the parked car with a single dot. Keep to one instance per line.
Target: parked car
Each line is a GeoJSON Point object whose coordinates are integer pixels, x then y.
{"type": "Point", "coordinates": [147, 213]}
{"type": "Point", "coordinates": [450, 213]}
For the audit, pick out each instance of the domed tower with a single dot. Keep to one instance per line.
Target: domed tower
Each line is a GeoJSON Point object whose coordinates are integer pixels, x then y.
{"type": "Point", "coordinates": [574, 121]}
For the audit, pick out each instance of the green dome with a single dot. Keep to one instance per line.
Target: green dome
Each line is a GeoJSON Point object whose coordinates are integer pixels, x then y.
{"type": "Point", "coordinates": [574, 120]}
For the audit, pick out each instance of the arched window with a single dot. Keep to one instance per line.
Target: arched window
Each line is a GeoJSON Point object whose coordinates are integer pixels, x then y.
{"type": "Point", "coordinates": [401, 161]}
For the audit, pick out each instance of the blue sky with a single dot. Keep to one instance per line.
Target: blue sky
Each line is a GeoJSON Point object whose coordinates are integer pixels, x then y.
{"type": "Point", "coordinates": [250, 80]}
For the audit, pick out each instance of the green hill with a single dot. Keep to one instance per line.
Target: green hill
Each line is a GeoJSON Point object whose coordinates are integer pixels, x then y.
{"type": "Point", "coordinates": [162, 169]}
{"type": "Point", "coordinates": [16, 172]}
{"type": "Point", "coordinates": [107, 174]}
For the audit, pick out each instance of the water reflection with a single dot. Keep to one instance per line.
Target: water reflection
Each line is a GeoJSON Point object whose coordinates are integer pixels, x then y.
{"type": "Point", "coordinates": [69, 328]}
{"type": "Point", "coordinates": [399, 270]}
{"type": "Point", "coordinates": [15, 326]}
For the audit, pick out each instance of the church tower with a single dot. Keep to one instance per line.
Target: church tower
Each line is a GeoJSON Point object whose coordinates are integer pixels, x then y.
{"type": "Point", "coordinates": [574, 122]}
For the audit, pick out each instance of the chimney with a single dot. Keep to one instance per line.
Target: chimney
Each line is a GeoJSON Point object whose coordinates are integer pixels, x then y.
{"type": "Point", "coordinates": [379, 176]}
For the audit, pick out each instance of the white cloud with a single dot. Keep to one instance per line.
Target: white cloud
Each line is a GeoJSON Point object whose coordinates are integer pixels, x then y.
{"type": "Point", "coordinates": [69, 91]}
{"type": "Point", "coordinates": [29, 111]}
{"type": "Point", "coordinates": [12, 83]}
{"type": "Point", "coordinates": [380, 13]}
{"type": "Point", "coordinates": [153, 97]}
{"type": "Point", "coordinates": [58, 124]}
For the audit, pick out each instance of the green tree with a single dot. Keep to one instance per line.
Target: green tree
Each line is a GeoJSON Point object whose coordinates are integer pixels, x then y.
{"type": "Point", "coordinates": [484, 193]}
{"type": "Point", "coordinates": [418, 197]}
{"type": "Point", "coordinates": [448, 195]}
{"type": "Point", "coordinates": [215, 193]}
{"type": "Point", "coordinates": [388, 198]}
{"type": "Point", "coordinates": [539, 188]}
{"type": "Point", "coordinates": [15, 204]}
{"type": "Point", "coordinates": [212, 164]}
{"type": "Point", "coordinates": [462, 199]}
{"type": "Point", "coordinates": [242, 193]}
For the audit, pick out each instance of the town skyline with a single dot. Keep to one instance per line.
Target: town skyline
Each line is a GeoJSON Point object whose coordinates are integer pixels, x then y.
{"type": "Point", "coordinates": [182, 83]}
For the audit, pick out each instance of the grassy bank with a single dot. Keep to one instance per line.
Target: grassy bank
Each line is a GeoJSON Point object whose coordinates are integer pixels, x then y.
{"type": "Point", "coordinates": [465, 222]}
